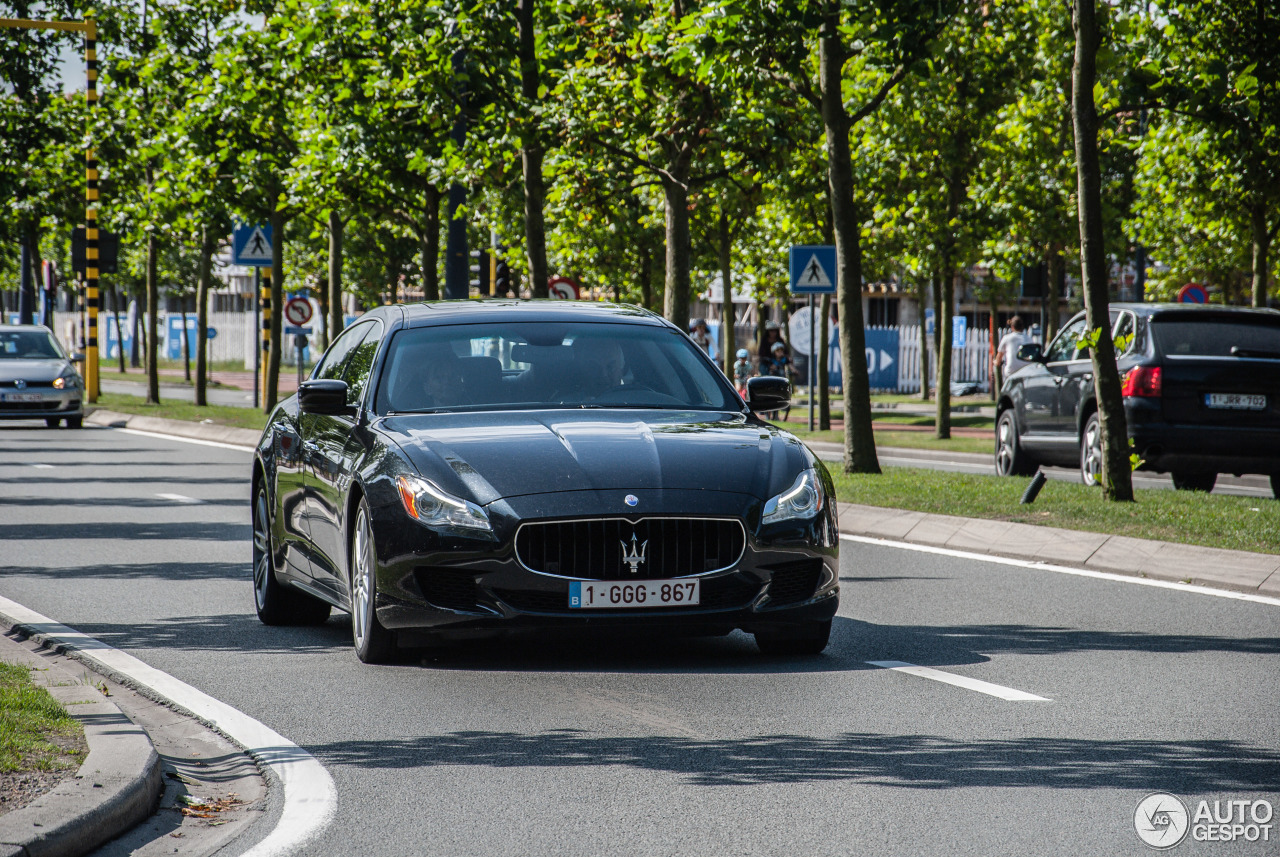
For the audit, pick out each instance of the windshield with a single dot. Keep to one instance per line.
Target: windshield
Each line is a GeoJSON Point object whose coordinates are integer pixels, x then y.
{"type": "Point", "coordinates": [1225, 337]}
{"type": "Point", "coordinates": [532, 365]}
{"type": "Point", "coordinates": [29, 345]}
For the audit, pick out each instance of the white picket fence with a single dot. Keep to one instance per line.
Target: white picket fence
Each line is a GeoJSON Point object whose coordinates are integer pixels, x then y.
{"type": "Point", "coordinates": [970, 363]}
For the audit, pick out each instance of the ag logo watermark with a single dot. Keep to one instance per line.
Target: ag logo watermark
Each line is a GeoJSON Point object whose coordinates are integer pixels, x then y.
{"type": "Point", "coordinates": [1163, 820]}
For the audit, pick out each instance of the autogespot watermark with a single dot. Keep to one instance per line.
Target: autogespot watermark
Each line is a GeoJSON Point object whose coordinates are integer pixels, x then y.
{"type": "Point", "coordinates": [1163, 820]}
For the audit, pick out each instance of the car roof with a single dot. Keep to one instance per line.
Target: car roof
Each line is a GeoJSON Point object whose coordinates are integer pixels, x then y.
{"type": "Point", "coordinates": [1169, 308]}
{"type": "Point", "coordinates": [486, 310]}
{"type": "Point", "coordinates": [7, 327]}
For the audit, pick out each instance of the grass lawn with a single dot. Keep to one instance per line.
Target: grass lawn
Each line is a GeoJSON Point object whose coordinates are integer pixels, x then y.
{"type": "Point", "coordinates": [36, 733]}
{"type": "Point", "coordinates": [887, 437]}
{"type": "Point", "coordinates": [1188, 517]}
{"type": "Point", "coordinates": [219, 414]}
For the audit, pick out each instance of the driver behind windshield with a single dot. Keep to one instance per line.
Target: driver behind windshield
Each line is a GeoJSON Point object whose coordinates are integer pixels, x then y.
{"type": "Point", "coordinates": [600, 365]}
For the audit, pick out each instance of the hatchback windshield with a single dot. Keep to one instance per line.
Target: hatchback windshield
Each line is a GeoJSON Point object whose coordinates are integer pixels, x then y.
{"type": "Point", "coordinates": [28, 345]}
{"type": "Point", "coordinates": [548, 365]}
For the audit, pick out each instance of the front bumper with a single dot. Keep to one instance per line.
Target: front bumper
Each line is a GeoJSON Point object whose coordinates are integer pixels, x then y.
{"type": "Point", "coordinates": [52, 403]}
{"type": "Point", "coordinates": [432, 587]}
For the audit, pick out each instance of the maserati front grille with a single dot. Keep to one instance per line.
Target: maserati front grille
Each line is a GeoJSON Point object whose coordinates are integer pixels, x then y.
{"type": "Point", "coordinates": [620, 549]}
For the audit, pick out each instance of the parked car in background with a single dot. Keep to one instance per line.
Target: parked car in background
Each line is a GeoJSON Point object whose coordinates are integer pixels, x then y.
{"type": "Point", "coordinates": [37, 378]}
{"type": "Point", "coordinates": [1201, 391]}
{"type": "Point", "coordinates": [455, 470]}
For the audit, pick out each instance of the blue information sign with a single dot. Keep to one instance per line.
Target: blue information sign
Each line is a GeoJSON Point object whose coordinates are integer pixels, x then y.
{"type": "Point", "coordinates": [813, 269]}
{"type": "Point", "coordinates": [251, 245]}
{"type": "Point", "coordinates": [882, 358]}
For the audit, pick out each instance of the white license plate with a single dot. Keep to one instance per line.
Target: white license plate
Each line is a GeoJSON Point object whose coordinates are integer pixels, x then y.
{"type": "Point", "coordinates": [1236, 401]}
{"type": "Point", "coordinates": [21, 397]}
{"type": "Point", "coordinates": [610, 595]}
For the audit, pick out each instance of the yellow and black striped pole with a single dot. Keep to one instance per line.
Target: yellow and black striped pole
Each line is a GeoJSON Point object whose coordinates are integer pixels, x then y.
{"type": "Point", "coordinates": [90, 29]}
{"type": "Point", "coordinates": [265, 297]}
{"type": "Point", "coordinates": [91, 216]}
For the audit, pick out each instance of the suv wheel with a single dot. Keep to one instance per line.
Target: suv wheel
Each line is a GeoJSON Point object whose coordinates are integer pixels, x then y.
{"type": "Point", "coordinates": [1011, 460]}
{"type": "Point", "coordinates": [1091, 452]}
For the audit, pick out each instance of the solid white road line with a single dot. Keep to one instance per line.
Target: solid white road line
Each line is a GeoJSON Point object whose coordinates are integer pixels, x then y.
{"type": "Point", "coordinates": [1062, 569]}
{"type": "Point", "coordinates": [237, 447]}
{"type": "Point", "coordinates": [961, 681]}
{"type": "Point", "coordinates": [179, 498]}
{"type": "Point", "coordinates": [310, 798]}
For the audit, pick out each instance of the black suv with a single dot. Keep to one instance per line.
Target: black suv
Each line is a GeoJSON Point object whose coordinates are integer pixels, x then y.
{"type": "Point", "coordinates": [1201, 395]}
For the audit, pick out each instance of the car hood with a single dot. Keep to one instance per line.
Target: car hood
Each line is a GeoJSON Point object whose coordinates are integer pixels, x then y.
{"type": "Point", "coordinates": [493, 456]}
{"type": "Point", "coordinates": [32, 370]}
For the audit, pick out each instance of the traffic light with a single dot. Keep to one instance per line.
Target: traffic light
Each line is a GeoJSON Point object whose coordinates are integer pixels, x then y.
{"type": "Point", "coordinates": [501, 278]}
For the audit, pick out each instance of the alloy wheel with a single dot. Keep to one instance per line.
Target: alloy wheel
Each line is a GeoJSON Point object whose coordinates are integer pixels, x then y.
{"type": "Point", "coordinates": [1091, 452]}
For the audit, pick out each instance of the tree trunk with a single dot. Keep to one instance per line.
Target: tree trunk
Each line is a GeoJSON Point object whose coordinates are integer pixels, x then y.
{"type": "Point", "coordinates": [922, 302]}
{"type": "Point", "coordinates": [337, 232]}
{"type": "Point", "coordinates": [646, 276]}
{"type": "Point", "coordinates": [430, 241]}
{"type": "Point", "coordinates": [272, 382]}
{"type": "Point", "coordinates": [728, 348]}
{"type": "Point", "coordinates": [762, 325]}
{"type": "Point", "coordinates": [186, 345]}
{"type": "Point", "coordinates": [1117, 473]}
{"type": "Point", "coordinates": [824, 368]}
{"type": "Point", "coordinates": [116, 299]}
{"type": "Point", "coordinates": [534, 192]}
{"type": "Point", "coordinates": [1052, 295]}
{"type": "Point", "coordinates": [859, 440]}
{"type": "Point", "coordinates": [207, 245]}
{"type": "Point", "coordinates": [942, 420]}
{"type": "Point", "coordinates": [153, 315]}
{"type": "Point", "coordinates": [1261, 246]}
{"type": "Point", "coordinates": [136, 336]}
{"type": "Point", "coordinates": [675, 188]}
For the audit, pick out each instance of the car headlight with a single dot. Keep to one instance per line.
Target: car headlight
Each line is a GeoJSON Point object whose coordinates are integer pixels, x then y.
{"type": "Point", "coordinates": [67, 380]}
{"type": "Point", "coordinates": [430, 506]}
{"type": "Point", "coordinates": [803, 499]}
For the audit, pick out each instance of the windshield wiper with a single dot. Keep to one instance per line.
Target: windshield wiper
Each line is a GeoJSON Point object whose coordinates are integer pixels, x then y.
{"type": "Point", "coordinates": [1237, 351]}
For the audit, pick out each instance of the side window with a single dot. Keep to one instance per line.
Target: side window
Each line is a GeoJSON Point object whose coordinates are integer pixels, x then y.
{"type": "Point", "coordinates": [1123, 333]}
{"type": "Point", "coordinates": [334, 360]}
{"type": "Point", "coordinates": [1064, 345]}
{"type": "Point", "coordinates": [360, 364]}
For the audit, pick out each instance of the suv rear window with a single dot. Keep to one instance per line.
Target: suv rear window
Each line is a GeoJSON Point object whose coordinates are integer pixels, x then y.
{"type": "Point", "coordinates": [1205, 337]}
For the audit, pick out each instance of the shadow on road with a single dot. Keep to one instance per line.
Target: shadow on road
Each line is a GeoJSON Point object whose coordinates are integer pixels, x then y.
{"type": "Point", "coordinates": [906, 761]}
{"type": "Point", "coordinates": [176, 530]}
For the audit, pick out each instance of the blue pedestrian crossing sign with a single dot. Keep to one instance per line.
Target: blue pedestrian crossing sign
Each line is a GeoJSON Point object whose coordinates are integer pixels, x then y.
{"type": "Point", "coordinates": [251, 246]}
{"type": "Point", "coordinates": [813, 269]}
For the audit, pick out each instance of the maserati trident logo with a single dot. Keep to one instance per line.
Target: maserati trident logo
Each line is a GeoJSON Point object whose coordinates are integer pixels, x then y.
{"type": "Point", "coordinates": [633, 558]}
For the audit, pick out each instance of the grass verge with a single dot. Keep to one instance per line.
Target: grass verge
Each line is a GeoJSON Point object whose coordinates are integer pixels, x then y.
{"type": "Point", "coordinates": [1186, 517]}
{"type": "Point", "coordinates": [887, 437]}
{"type": "Point", "coordinates": [222, 415]}
{"type": "Point", "coordinates": [36, 733]}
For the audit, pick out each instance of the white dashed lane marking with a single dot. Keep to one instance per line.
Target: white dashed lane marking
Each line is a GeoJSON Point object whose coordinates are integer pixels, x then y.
{"type": "Point", "coordinates": [43, 466]}
{"type": "Point", "coordinates": [1007, 693]}
{"type": "Point", "coordinates": [179, 498]}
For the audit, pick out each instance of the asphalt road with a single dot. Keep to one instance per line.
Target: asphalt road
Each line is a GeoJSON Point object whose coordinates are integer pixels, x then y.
{"type": "Point", "coordinates": [587, 747]}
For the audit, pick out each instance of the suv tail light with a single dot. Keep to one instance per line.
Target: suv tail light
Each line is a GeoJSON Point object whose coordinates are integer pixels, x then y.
{"type": "Point", "coordinates": [1141, 381]}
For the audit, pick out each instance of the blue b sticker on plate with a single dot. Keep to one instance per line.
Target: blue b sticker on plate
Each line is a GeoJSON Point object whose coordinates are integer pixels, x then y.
{"type": "Point", "coordinates": [575, 594]}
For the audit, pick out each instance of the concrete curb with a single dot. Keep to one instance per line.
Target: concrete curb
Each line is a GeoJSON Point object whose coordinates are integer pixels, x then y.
{"type": "Point", "coordinates": [1239, 571]}
{"type": "Point", "coordinates": [117, 787]}
{"type": "Point", "coordinates": [177, 428]}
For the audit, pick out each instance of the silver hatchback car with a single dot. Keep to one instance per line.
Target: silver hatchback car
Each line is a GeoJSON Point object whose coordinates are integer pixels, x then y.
{"type": "Point", "coordinates": [37, 378]}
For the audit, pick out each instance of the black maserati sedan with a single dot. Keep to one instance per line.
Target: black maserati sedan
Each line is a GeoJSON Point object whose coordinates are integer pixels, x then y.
{"type": "Point", "coordinates": [466, 469]}
{"type": "Point", "coordinates": [1201, 386]}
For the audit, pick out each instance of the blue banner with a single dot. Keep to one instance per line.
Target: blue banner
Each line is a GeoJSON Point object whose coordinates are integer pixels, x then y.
{"type": "Point", "coordinates": [882, 358]}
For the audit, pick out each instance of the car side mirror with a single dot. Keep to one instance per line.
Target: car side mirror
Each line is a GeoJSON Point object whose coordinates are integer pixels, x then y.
{"type": "Point", "coordinates": [78, 357]}
{"type": "Point", "coordinates": [1032, 352]}
{"type": "Point", "coordinates": [768, 393]}
{"type": "Point", "coordinates": [324, 396]}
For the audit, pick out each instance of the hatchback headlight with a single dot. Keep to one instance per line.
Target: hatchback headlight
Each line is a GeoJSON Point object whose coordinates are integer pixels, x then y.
{"type": "Point", "coordinates": [803, 499]}
{"type": "Point", "coordinates": [68, 380]}
{"type": "Point", "coordinates": [434, 508]}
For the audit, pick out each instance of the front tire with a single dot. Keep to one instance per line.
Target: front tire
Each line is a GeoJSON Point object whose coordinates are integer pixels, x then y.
{"type": "Point", "coordinates": [1010, 458]}
{"type": "Point", "coordinates": [809, 639]}
{"type": "Point", "coordinates": [374, 643]}
{"type": "Point", "coordinates": [75, 422]}
{"type": "Point", "coordinates": [1197, 481]}
{"type": "Point", "coordinates": [51, 422]}
{"type": "Point", "coordinates": [277, 604]}
{"type": "Point", "coordinates": [1091, 452]}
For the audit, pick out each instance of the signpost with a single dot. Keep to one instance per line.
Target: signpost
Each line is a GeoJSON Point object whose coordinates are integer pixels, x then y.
{"type": "Point", "coordinates": [297, 312]}
{"type": "Point", "coordinates": [813, 272]}
{"type": "Point", "coordinates": [251, 247]}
